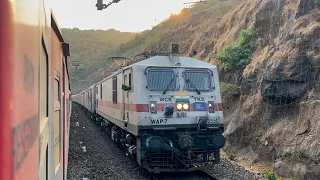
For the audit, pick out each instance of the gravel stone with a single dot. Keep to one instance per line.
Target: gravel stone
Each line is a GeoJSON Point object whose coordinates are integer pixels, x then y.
{"type": "Point", "coordinates": [227, 170]}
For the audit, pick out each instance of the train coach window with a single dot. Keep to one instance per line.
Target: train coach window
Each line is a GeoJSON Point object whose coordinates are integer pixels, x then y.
{"type": "Point", "coordinates": [114, 90]}
{"type": "Point", "coordinates": [56, 90]}
{"type": "Point", "coordinates": [100, 91]}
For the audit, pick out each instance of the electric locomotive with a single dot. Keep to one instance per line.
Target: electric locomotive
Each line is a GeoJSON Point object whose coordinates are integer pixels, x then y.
{"type": "Point", "coordinates": [165, 111]}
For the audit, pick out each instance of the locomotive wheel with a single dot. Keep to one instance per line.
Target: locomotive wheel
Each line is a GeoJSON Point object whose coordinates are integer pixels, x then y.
{"type": "Point", "coordinates": [143, 171]}
{"type": "Point", "coordinates": [114, 134]}
{"type": "Point", "coordinates": [97, 120]}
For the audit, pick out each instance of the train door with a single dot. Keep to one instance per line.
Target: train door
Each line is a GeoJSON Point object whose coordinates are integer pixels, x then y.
{"type": "Point", "coordinates": [97, 95]}
{"type": "Point", "coordinates": [57, 116]}
{"type": "Point", "coordinates": [90, 99]}
{"type": "Point", "coordinates": [127, 81]}
{"type": "Point", "coordinates": [63, 116]}
{"type": "Point", "coordinates": [43, 113]}
{"type": "Point", "coordinates": [94, 101]}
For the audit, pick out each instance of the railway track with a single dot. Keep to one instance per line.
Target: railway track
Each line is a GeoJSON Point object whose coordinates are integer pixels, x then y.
{"type": "Point", "coordinates": [195, 175]}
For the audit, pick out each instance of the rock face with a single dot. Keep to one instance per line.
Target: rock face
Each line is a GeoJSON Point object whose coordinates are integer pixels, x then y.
{"type": "Point", "coordinates": [286, 81]}
{"type": "Point", "coordinates": [277, 118]}
{"type": "Point", "coordinates": [277, 115]}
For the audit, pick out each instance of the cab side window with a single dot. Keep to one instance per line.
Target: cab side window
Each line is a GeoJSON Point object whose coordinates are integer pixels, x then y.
{"type": "Point", "coordinates": [130, 81]}
{"type": "Point", "coordinates": [114, 90]}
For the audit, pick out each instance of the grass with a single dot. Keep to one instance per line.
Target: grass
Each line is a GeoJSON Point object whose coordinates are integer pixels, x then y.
{"type": "Point", "coordinates": [269, 175]}
{"type": "Point", "coordinates": [227, 91]}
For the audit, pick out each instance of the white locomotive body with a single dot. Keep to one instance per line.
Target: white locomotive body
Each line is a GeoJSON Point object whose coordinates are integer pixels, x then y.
{"type": "Point", "coordinates": [166, 111]}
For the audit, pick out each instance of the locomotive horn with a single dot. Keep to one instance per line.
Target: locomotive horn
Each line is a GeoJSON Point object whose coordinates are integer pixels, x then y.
{"type": "Point", "coordinates": [175, 48]}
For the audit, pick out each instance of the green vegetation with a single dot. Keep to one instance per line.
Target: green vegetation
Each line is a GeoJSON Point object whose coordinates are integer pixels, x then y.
{"type": "Point", "coordinates": [236, 56]}
{"type": "Point", "coordinates": [89, 48]}
{"type": "Point", "coordinates": [269, 175]}
{"type": "Point", "coordinates": [227, 91]}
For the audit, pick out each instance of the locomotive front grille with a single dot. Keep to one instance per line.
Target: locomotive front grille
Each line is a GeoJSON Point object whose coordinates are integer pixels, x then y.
{"type": "Point", "coordinates": [167, 161]}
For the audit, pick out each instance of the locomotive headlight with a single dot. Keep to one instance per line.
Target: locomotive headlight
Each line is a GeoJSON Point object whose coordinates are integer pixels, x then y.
{"type": "Point", "coordinates": [179, 106]}
{"type": "Point", "coordinates": [153, 107]}
{"type": "Point", "coordinates": [211, 107]}
{"type": "Point", "coordinates": [185, 106]}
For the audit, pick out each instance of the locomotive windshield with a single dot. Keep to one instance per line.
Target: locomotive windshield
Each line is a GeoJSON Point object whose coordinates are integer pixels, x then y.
{"type": "Point", "coordinates": [161, 79]}
{"type": "Point", "coordinates": [200, 79]}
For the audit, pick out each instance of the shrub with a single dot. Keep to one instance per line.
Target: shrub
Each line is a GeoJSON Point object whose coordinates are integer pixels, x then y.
{"type": "Point", "coordinates": [228, 90]}
{"type": "Point", "coordinates": [269, 175]}
{"type": "Point", "coordinates": [236, 56]}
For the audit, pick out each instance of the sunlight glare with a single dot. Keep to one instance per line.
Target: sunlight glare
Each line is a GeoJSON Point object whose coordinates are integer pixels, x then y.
{"type": "Point", "coordinates": [132, 16]}
{"type": "Point", "coordinates": [177, 13]}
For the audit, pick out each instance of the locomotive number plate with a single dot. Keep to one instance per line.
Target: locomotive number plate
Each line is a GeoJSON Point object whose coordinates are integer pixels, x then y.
{"type": "Point", "coordinates": [159, 121]}
{"type": "Point", "coordinates": [212, 120]}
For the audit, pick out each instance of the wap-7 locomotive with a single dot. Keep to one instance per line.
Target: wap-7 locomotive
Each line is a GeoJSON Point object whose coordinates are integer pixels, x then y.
{"type": "Point", "coordinates": [165, 110]}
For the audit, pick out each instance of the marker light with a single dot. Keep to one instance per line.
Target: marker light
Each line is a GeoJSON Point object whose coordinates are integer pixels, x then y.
{"type": "Point", "coordinates": [210, 107]}
{"type": "Point", "coordinates": [153, 107]}
{"type": "Point", "coordinates": [179, 106]}
{"type": "Point", "coordinates": [185, 106]}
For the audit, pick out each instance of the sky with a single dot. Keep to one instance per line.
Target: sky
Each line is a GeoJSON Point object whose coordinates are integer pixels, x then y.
{"type": "Point", "coordinates": [126, 15]}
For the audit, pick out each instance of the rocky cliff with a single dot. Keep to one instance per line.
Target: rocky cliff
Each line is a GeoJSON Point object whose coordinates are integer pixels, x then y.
{"type": "Point", "coordinates": [278, 115]}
